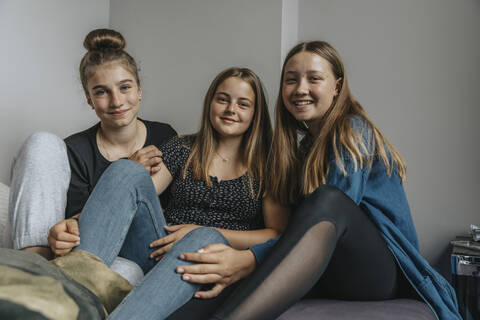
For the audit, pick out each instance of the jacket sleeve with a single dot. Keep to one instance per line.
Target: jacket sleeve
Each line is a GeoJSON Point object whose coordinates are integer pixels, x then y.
{"type": "Point", "coordinates": [260, 250]}
{"type": "Point", "coordinates": [353, 184]}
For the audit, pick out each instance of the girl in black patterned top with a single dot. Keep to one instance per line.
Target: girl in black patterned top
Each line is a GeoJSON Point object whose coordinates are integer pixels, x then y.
{"type": "Point", "coordinates": [229, 204]}
{"type": "Point", "coordinates": [216, 179]}
{"type": "Point", "coordinates": [216, 175]}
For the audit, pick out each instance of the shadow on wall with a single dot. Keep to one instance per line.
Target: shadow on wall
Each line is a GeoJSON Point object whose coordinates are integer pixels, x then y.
{"type": "Point", "coordinates": [442, 264]}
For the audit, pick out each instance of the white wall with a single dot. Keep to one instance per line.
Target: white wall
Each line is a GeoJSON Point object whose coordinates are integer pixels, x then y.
{"type": "Point", "coordinates": [182, 45]}
{"type": "Point", "coordinates": [289, 26]}
{"type": "Point", "coordinates": [414, 66]}
{"type": "Point", "coordinates": [40, 49]}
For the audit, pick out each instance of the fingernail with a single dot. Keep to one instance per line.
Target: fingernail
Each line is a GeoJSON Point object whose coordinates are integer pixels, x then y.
{"type": "Point", "coordinates": [185, 277]}
{"type": "Point", "coordinates": [182, 256]}
{"type": "Point", "coordinates": [77, 243]}
{"type": "Point", "coordinates": [180, 270]}
{"type": "Point", "coordinates": [151, 256]}
{"type": "Point", "coordinates": [201, 250]}
{"type": "Point", "coordinates": [197, 295]}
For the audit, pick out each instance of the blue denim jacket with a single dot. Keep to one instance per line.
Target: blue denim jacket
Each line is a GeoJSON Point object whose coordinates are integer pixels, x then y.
{"type": "Point", "coordinates": [383, 198]}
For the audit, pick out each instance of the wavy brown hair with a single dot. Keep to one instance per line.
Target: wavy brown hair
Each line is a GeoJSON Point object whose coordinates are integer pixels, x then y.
{"type": "Point", "coordinates": [292, 178]}
{"type": "Point", "coordinates": [255, 142]}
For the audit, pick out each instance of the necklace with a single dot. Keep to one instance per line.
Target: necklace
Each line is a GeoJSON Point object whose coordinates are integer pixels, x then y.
{"type": "Point", "coordinates": [102, 145]}
{"type": "Point", "coordinates": [100, 139]}
{"type": "Point", "coordinates": [223, 159]}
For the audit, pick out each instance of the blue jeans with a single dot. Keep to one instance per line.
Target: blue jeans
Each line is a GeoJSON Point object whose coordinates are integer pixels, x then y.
{"type": "Point", "coordinates": [162, 291]}
{"type": "Point", "coordinates": [123, 216]}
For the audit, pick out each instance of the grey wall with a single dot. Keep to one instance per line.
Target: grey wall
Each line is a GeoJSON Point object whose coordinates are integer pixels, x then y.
{"type": "Point", "coordinates": [289, 26]}
{"type": "Point", "coordinates": [182, 45]}
{"type": "Point", "coordinates": [414, 66]}
{"type": "Point", "coordinates": [40, 49]}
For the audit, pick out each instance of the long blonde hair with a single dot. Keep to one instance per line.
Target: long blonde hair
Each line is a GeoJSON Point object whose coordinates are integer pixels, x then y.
{"type": "Point", "coordinates": [256, 140]}
{"type": "Point", "coordinates": [336, 133]}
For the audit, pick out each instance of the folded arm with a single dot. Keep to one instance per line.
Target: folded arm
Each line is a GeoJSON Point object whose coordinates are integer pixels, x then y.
{"type": "Point", "coordinates": [275, 217]}
{"type": "Point", "coordinates": [222, 265]}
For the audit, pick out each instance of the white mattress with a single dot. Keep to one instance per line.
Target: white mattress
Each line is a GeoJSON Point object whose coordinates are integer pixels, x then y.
{"type": "Point", "coordinates": [5, 241]}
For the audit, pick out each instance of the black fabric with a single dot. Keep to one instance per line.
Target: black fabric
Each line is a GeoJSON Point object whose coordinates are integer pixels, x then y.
{"type": "Point", "coordinates": [229, 204]}
{"type": "Point", "coordinates": [89, 305]}
{"type": "Point", "coordinates": [14, 311]}
{"type": "Point", "coordinates": [87, 163]}
{"type": "Point", "coordinates": [199, 309]}
{"type": "Point", "coordinates": [329, 250]}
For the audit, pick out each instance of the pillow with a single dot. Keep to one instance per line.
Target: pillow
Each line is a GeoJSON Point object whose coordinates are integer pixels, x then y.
{"type": "Point", "coordinates": [4, 231]}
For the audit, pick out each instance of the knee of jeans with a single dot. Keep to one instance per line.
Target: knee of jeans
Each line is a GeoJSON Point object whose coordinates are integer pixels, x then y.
{"type": "Point", "coordinates": [207, 235]}
{"type": "Point", "coordinates": [126, 167]}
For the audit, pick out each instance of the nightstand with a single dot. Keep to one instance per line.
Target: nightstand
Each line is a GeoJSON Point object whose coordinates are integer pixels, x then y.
{"type": "Point", "coordinates": [466, 280]}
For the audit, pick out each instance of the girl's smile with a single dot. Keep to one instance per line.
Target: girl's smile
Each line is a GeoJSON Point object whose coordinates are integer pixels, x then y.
{"type": "Point", "coordinates": [233, 107]}
{"type": "Point", "coordinates": [309, 86]}
{"type": "Point", "coordinates": [114, 95]}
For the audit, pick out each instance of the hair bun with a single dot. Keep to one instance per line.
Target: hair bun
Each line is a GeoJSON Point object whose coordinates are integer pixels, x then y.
{"type": "Point", "coordinates": [104, 39]}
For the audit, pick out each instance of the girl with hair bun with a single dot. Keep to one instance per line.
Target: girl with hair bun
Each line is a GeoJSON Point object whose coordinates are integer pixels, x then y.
{"type": "Point", "coordinates": [52, 179]}
{"type": "Point", "coordinates": [110, 80]}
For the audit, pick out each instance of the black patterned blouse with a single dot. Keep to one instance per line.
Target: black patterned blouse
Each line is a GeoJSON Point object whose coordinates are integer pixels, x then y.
{"type": "Point", "coordinates": [228, 204]}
